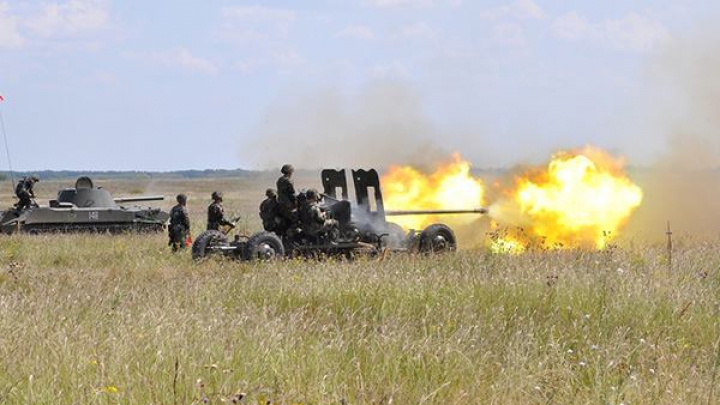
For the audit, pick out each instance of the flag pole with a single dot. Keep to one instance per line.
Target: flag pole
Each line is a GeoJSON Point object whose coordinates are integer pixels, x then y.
{"type": "Point", "coordinates": [669, 247]}
{"type": "Point", "coordinates": [7, 148]}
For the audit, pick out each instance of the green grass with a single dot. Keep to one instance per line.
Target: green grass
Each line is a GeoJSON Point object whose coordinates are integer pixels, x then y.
{"type": "Point", "coordinates": [87, 319]}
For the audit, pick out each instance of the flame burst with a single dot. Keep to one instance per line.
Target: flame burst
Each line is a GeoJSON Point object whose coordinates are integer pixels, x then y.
{"type": "Point", "coordinates": [450, 186]}
{"type": "Point", "coordinates": [580, 199]}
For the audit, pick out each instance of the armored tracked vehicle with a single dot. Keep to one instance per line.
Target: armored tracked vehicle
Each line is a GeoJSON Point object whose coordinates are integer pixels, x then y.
{"type": "Point", "coordinates": [362, 228]}
{"type": "Point", "coordinates": [86, 208]}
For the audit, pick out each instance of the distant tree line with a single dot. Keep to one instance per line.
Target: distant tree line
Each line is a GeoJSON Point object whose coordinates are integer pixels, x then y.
{"type": "Point", "coordinates": [133, 174]}
{"type": "Point", "coordinates": [212, 173]}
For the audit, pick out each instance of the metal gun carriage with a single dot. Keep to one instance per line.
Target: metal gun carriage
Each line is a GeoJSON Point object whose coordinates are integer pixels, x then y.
{"type": "Point", "coordinates": [363, 228]}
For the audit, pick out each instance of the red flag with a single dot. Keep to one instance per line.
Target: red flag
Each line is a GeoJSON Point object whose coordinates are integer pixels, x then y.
{"type": "Point", "coordinates": [2, 98]}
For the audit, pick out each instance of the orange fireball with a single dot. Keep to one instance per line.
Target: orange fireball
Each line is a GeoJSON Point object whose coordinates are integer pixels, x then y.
{"type": "Point", "coordinates": [580, 199]}
{"type": "Point", "coordinates": [449, 186]}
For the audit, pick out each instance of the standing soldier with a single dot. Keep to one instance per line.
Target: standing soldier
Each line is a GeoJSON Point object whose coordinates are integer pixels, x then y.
{"type": "Point", "coordinates": [287, 199]}
{"type": "Point", "coordinates": [179, 224]}
{"type": "Point", "coordinates": [269, 211]}
{"type": "Point", "coordinates": [25, 193]}
{"type": "Point", "coordinates": [216, 214]}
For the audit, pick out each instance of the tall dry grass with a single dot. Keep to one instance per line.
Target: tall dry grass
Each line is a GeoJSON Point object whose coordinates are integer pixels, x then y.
{"type": "Point", "coordinates": [100, 319]}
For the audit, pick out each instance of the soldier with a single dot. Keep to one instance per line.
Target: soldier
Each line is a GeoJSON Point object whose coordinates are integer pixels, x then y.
{"type": "Point", "coordinates": [216, 214]}
{"type": "Point", "coordinates": [287, 198]}
{"type": "Point", "coordinates": [25, 193]}
{"type": "Point", "coordinates": [314, 219]}
{"type": "Point", "coordinates": [269, 211]}
{"type": "Point", "coordinates": [179, 224]}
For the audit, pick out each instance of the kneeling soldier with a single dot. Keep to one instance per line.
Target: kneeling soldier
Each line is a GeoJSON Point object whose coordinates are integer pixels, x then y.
{"type": "Point", "coordinates": [314, 219]}
{"type": "Point", "coordinates": [25, 192]}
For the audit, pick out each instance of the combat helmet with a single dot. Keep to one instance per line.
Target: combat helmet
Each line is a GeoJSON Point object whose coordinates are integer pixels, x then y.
{"type": "Point", "coordinates": [217, 195]}
{"type": "Point", "coordinates": [287, 169]}
{"type": "Point", "coordinates": [181, 199]}
{"type": "Point", "coordinates": [312, 195]}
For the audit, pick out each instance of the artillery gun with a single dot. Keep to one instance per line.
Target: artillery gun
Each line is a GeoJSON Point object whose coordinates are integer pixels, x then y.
{"type": "Point", "coordinates": [86, 208]}
{"type": "Point", "coordinates": [363, 227]}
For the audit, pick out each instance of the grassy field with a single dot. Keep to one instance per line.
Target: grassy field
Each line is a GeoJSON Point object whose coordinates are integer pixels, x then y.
{"type": "Point", "coordinates": [108, 320]}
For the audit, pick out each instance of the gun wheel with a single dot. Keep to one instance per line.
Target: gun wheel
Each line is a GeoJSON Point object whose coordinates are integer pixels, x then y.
{"type": "Point", "coordinates": [437, 238]}
{"type": "Point", "coordinates": [264, 246]}
{"type": "Point", "coordinates": [204, 244]}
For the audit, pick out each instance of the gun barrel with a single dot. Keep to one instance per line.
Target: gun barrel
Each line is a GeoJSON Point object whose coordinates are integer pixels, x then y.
{"type": "Point", "coordinates": [140, 198]}
{"type": "Point", "coordinates": [436, 212]}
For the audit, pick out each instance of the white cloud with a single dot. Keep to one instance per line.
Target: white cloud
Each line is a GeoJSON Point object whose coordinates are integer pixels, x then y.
{"type": "Point", "coordinates": [9, 35]}
{"type": "Point", "coordinates": [510, 34]}
{"type": "Point", "coordinates": [250, 65]}
{"type": "Point", "coordinates": [528, 9]}
{"type": "Point", "coordinates": [357, 32]}
{"type": "Point", "coordinates": [520, 9]}
{"type": "Point", "coordinates": [105, 77]}
{"type": "Point", "coordinates": [288, 58]}
{"type": "Point", "coordinates": [181, 57]}
{"type": "Point", "coordinates": [400, 3]}
{"type": "Point", "coordinates": [635, 31]}
{"type": "Point", "coordinates": [345, 66]}
{"type": "Point", "coordinates": [69, 18]}
{"type": "Point", "coordinates": [392, 70]}
{"type": "Point", "coordinates": [412, 3]}
{"type": "Point", "coordinates": [631, 32]}
{"type": "Point", "coordinates": [573, 27]}
{"type": "Point", "coordinates": [247, 23]}
{"type": "Point", "coordinates": [282, 60]}
{"type": "Point", "coordinates": [418, 30]}
{"type": "Point", "coordinates": [263, 31]}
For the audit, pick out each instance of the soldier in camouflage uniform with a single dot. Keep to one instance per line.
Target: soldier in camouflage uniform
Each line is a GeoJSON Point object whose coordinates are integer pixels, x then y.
{"type": "Point", "coordinates": [216, 213]}
{"type": "Point", "coordinates": [269, 212]}
{"type": "Point", "coordinates": [179, 227]}
{"type": "Point", "coordinates": [287, 198]}
{"type": "Point", "coordinates": [25, 193]}
{"type": "Point", "coordinates": [314, 219]}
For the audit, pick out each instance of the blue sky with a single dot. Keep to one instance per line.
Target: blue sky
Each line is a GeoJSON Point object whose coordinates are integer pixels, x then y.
{"type": "Point", "coordinates": [163, 85]}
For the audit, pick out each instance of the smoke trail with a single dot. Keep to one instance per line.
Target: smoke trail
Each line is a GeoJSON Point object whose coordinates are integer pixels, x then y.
{"type": "Point", "coordinates": [383, 124]}
{"type": "Point", "coordinates": [684, 184]}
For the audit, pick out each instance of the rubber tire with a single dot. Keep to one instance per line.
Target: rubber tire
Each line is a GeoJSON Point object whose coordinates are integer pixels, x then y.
{"type": "Point", "coordinates": [206, 239]}
{"type": "Point", "coordinates": [264, 237]}
{"type": "Point", "coordinates": [428, 235]}
{"type": "Point", "coordinates": [396, 238]}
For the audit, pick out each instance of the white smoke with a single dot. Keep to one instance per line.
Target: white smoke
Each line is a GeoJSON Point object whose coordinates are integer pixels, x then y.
{"type": "Point", "coordinates": [383, 124]}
